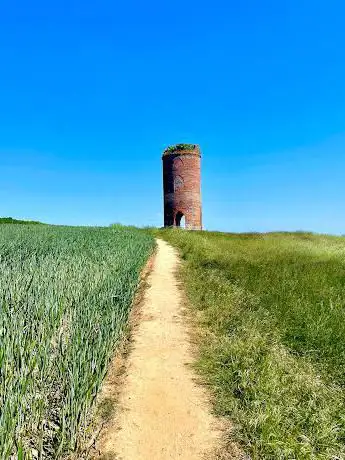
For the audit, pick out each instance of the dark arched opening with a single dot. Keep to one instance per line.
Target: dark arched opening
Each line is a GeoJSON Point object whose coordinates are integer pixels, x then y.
{"type": "Point", "coordinates": [180, 220]}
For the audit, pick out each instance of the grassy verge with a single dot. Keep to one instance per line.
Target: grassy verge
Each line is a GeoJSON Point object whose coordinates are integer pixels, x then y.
{"type": "Point", "coordinates": [271, 308]}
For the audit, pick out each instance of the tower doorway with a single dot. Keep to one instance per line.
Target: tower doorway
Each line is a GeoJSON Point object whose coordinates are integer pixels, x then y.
{"type": "Point", "coordinates": [180, 220]}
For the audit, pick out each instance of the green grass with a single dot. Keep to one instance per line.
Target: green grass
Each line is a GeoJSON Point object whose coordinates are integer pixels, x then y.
{"type": "Point", "coordinates": [179, 148]}
{"type": "Point", "coordinates": [65, 295]}
{"type": "Point", "coordinates": [271, 308]}
{"type": "Point", "coordinates": [10, 220]}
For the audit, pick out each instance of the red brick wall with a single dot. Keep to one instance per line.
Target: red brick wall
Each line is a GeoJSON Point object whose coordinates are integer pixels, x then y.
{"type": "Point", "coordinates": [181, 185]}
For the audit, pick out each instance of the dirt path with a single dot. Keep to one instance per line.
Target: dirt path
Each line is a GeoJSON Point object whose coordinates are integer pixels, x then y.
{"type": "Point", "coordinates": [163, 414]}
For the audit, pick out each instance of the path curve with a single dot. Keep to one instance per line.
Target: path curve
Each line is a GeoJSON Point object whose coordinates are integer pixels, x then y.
{"type": "Point", "coordinates": [163, 414]}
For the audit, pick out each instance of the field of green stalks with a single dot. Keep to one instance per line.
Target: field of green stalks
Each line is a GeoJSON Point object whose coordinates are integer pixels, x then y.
{"type": "Point", "coordinates": [271, 308]}
{"type": "Point", "coordinates": [65, 294]}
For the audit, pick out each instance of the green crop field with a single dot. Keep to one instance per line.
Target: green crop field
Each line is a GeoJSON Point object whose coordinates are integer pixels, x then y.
{"type": "Point", "coordinates": [65, 294]}
{"type": "Point", "coordinates": [271, 313]}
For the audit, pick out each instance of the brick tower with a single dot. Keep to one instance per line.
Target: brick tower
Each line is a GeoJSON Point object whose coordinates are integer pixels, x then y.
{"type": "Point", "coordinates": [181, 184]}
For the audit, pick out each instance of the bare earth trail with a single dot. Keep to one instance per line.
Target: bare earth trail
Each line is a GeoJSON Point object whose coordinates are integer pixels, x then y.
{"type": "Point", "coordinates": [163, 414]}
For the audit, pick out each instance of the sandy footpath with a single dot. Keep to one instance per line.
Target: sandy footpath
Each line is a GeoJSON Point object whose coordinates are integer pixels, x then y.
{"type": "Point", "coordinates": [163, 414]}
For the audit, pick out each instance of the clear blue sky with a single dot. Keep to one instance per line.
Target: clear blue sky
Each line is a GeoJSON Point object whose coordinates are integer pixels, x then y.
{"type": "Point", "coordinates": [91, 92]}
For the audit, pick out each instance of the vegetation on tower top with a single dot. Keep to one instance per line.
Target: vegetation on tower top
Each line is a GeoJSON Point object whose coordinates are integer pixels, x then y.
{"type": "Point", "coordinates": [180, 148]}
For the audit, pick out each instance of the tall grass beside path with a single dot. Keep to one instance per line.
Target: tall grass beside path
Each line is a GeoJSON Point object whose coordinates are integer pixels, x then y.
{"type": "Point", "coordinates": [271, 309]}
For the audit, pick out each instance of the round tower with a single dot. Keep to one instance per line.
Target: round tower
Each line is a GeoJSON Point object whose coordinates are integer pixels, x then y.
{"type": "Point", "coordinates": [181, 185]}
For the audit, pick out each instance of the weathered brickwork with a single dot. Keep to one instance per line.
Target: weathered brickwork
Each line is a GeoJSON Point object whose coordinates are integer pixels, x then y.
{"type": "Point", "coordinates": [181, 184]}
